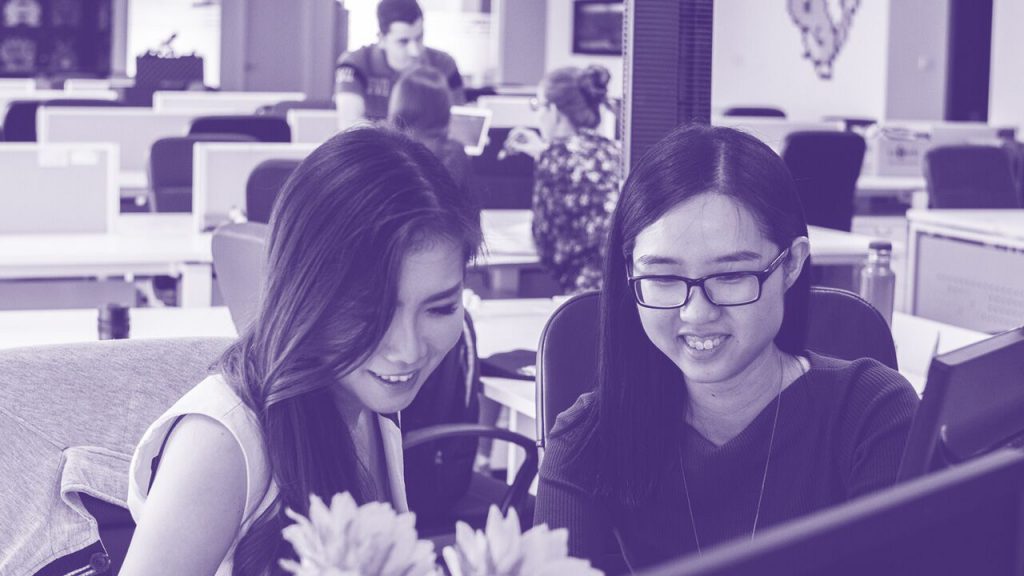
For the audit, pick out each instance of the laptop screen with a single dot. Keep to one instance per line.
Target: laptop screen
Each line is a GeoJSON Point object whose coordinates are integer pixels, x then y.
{"type": "Point", "coordinates": [469, 126]}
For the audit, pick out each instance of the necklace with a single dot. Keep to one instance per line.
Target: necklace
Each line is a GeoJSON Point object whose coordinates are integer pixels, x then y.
{"type": "Point", "coordinates": [764, 477]}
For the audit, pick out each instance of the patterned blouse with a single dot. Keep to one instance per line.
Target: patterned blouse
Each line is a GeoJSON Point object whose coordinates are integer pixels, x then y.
{"type": "Point", "coordinates": [576, 186]}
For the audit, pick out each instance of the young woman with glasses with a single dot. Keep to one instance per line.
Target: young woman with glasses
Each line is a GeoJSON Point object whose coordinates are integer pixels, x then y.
{"type": "Point", "coordinates": [711, 421]}
{"type": "Point", "coordinates": [576, 175]}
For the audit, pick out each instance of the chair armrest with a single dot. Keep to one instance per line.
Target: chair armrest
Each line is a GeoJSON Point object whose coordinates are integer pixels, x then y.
{"type": "Point", "coordinates": [524, 477]}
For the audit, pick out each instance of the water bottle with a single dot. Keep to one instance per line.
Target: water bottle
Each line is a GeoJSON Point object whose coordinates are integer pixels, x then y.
{"type": "Point", "coordinates": [113, 322]}
{"type": "Point", "coordinates": [877, 281]}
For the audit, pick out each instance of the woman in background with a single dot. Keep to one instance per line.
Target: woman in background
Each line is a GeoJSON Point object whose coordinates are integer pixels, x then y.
{"type": "Point", "coordinates": [367, 251]}
{"type": "Point", "coordinates": [420, 106]}
{"type": "Point", "coordinates": [577, 174]}
{"type": "Point", "coordinates": [711, 420]}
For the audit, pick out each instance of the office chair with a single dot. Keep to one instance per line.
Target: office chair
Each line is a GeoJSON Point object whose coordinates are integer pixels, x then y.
{"type": "Point", "coordinates": [260, 128]}
{"type": "Point", "coordinates": [140, 379]}
{"type": "Point", "coordinates": [238, 260]}
{"type": "Point", "coordinates": [501, 184]}
{"type": "Point", "coordinates": [20, 121]}
{"type": "Point", "coordinates": [567, 354]}
{"type": "Point", "coordinates": [238, 253]}
{"type": "Point", "coordinates": [825, 168]}
{"type": "Point", "coordinates": [762, 111]}
{"type": "Point", "coordinates": [170, 169]}
{"type": "Point", "coordinates": [969, 176]}
{"type": "Point", "coordinates": [264, 184]}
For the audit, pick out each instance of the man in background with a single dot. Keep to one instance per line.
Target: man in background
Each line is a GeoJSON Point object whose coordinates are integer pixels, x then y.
{"type": "Point", "coordinates": [364, 77]}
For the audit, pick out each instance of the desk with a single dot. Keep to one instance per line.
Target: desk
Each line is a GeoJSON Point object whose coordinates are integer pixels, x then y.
{"type": "Point", "coordinates": [908, 190]}
{"type": "Point", "coordinates": [45, 327]}
{"type": "Point", "coordinates": [141, 244]}
{"type": "Point", "coordinates": [966, 267]}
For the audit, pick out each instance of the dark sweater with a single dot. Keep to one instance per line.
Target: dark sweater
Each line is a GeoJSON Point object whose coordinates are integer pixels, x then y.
{"type": "Point", "coordinates": [840, 434]}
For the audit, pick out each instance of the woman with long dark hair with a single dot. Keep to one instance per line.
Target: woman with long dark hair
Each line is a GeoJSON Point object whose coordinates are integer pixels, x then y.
{"type": "Point", "coordinates": [711, 420]}
{"type": "Point", "coordinates": [366, 256]}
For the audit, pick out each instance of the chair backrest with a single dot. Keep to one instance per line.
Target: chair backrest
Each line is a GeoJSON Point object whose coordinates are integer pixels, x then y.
{"type": "Point", "coordinates": [764, 111]}
{"type": "Point", "coordinates": [825, 167]}
{"type": "Point", "coordinates": [83, 103]}
{"type": "Point", "coordinates": [238, 260]}
{"type": "Point", "coordinates": [20, 121]}
{"type": "Point", "coordinates": [568, 352]}
{"type": "Point", "coordinates": [264, 184]}
{"type": "Point", "coordinates": [170, 169]}
{"type": "Point", "coordinates": [260, 128]}
{"type": "Point", "coordinates": [505, 183]}
{"type": "Point", "coordinates": [969, 176]}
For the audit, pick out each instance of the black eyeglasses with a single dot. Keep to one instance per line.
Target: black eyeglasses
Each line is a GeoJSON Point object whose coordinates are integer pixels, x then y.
{"type": "Point", "coordinates": [666, 291]}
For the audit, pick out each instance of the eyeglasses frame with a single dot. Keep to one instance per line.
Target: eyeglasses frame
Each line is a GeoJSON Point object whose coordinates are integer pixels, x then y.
{"type": "Point", "coordinates": [761, 276]}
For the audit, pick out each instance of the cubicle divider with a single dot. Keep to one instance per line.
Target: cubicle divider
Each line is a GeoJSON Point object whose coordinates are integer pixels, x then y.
{"type": "Point", "coordinates": [134, 130]}
{"type": "Point", "coordinates": [8, 95]}
{"type": "Point", "coordinates": [773, 131]}
{"type": "Point", "coordinates": [220, 171]}
{"type": "Point", "coordinates": [210, 103]}
{"type": "Point", "coordinates": [312, 126]}
{"type": "Point", "coordinates": [58, 188]}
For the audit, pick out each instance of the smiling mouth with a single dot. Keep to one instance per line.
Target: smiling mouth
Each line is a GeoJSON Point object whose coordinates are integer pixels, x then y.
{"type": "Point", "coordinates": [395, 378]}
{"type": "Point", "coordinates": [703, 343]}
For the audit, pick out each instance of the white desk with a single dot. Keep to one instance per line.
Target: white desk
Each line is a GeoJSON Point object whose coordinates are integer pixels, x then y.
{"type": "Point", "coordinates": [45, 327]}
{"type": "Point", "coordinates": [909, 190]}
{"type": "Point", "coordinates": [966, 267]}
{"type": "Point", "coordinates": [140, 245]}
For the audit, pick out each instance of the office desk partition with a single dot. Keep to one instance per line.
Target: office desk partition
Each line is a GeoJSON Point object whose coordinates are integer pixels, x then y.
{"type": "Point", "coordinates": [6, 96]}
{"type": "Point", "coordinates": [966, 267]}
{"type": "Point", "coordinates": [312, 126]}
{"type": "Point", "coordinates": [220, 171]}
{"type": "Point", "coordinates": [134, 130]}
{"type": "Point", "coordinates": [773, 131]}
{"type": "Point", "coordinates": [211, 103]}
{"type": "Point", "coordinates": [58, 188]}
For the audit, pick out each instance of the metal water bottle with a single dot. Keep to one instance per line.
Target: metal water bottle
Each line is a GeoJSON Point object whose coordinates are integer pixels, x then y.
{"type": "Point", "coordinates": [877, 281]}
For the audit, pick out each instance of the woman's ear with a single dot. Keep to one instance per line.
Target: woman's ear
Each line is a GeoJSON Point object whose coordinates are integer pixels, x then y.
{"type": "Point", "coordinates": [799, 250]}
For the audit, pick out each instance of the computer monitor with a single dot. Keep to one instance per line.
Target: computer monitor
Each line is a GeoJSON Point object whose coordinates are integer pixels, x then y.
{"type": "Point", "coordinates": [968, 519]}
{"type": "Point", "coordinates": [973, 403]}
{"type": "Point", "coordinates": [469, 126]}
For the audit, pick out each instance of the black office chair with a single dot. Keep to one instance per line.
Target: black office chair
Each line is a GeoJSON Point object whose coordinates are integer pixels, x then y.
{"type": "Point", "coordinates": [762, 111]}
{"type": "Point", "coordinates": [264, 184]}
{"type": "Point", "coordinates": [567, 354]}
{"type": "Point", "coordinates": [259, 128]}
{"type": "Point", "coordinates": [969, 176]}
{"type": "Point", "coordinates": [501, 184]}
{"type": "Point", "coordinates": [825, 167]}
{"type": "Point", "coordinates": [170, 169]}
{"type": "Point", "coordinates": [20, 121]}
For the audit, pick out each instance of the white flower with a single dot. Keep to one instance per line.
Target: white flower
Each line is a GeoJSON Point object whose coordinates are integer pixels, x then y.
{"type": "Point", "coordinates": [350, 540]}
{"type": "Point", "coordinates": [501, 550]}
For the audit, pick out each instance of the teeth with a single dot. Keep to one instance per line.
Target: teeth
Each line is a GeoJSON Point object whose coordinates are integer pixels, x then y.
{"type": "Point", "coordinates": [395, 378]}
{"type": "Point", "coordinates": [698, 343]}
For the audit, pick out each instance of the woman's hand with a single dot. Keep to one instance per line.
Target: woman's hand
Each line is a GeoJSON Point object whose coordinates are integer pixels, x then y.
{"type": "Point", "coordinates": [523, 141]}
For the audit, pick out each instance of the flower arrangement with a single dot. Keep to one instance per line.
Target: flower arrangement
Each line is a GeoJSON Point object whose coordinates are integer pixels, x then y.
{"type": "Point", "coordinates": [345, 539]}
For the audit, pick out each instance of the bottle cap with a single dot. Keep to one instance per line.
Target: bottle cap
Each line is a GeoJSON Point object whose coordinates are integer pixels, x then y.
{"type": "Point", "coordinates": [880, 245]}
{"type": "Point", "coordinates": [113, 313]}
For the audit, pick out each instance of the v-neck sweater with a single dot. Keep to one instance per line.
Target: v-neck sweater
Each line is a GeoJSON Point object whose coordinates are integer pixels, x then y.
{"type": "Point", "coordinates": [840, 434]}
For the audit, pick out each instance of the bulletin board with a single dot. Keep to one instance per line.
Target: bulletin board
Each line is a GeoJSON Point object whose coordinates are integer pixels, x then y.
{"type": "Point", "coordinates": [55, 38]}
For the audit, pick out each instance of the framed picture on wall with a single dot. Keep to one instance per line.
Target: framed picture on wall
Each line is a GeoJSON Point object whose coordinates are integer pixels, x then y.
{"type": "Point", "coordinates": [597, 27]}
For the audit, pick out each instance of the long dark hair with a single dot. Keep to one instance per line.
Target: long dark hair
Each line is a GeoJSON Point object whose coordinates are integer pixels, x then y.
{"type": "Point", "coordinates": [338, 232]}
{"type": "Point", "coordinates": [642, 398]}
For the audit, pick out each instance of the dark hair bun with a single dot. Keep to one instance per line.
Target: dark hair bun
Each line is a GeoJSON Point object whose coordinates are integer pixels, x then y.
{"type": "Point", "coordinates": [593, 82]}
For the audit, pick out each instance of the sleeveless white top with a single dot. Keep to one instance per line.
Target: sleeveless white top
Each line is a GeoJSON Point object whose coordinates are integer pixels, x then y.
{"type": "Point", "coordinates": [214, 398]}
